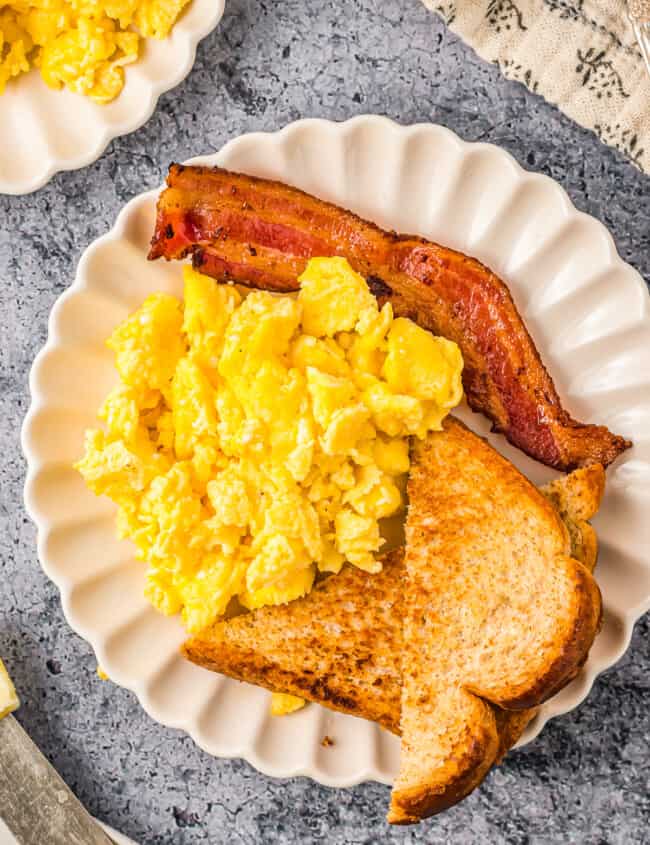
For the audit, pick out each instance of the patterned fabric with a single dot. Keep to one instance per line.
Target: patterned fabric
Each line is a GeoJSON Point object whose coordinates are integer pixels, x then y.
{"type": "Point", "coordinates": [579, 54]}
{"type": "Point", "coordinates": [640, 9]}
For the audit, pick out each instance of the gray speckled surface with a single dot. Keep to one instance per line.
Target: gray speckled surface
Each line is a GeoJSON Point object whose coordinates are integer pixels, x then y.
{"type": "Point", "coordinates": [587, 778]}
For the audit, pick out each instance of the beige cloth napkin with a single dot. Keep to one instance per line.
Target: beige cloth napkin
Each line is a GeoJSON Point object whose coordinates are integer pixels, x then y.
{"type": "Point", "coordinates": [579, 54]}
{"type": "Point", "coordinates": [640, 9]}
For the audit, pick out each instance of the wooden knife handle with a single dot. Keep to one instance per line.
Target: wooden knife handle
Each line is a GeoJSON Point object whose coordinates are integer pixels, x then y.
{"type": "Point", "coordinates": [35, 803]}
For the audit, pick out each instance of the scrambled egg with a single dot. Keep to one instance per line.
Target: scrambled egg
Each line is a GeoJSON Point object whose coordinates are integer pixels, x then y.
{"type": "Point", "coordinates": [282, 703]}
{"type": "Point", "coordinates": [8, 697]}
{"type": "Point", "coordinates": [80, 44]}
{"type": "Point", "coordinates": [254, 441]}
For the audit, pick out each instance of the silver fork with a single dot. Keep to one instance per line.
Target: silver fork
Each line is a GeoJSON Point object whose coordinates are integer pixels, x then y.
{"type": "Point", "coordinates": [639, 14]}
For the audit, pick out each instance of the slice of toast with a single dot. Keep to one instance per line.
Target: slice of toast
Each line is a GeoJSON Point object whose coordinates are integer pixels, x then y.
{"type": "Point", "coordinates": [495, 612]}
{"type": "Point", "coordinates": [340, 645]}
{"type": "Point", "coordinates": [332, 647]}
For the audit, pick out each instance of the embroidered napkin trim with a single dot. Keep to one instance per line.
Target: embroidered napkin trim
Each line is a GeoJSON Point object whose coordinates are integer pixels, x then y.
{"type": "Point", "coordinates": [580, 55]}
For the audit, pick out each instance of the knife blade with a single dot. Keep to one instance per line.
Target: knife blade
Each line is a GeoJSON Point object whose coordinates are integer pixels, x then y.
{"type": "Point", "coordinates": [35, 803]}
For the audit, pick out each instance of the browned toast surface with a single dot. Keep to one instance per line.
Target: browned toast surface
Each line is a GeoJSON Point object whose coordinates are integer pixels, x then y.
{"type": "Point", "coordinates": [340, 645]}
{"type": "Point", "coordinates": [495, 612]}
{"type": "Point", "coordinates": [577, 497]}
{"type": "Point", "coordinates": [273, 648]}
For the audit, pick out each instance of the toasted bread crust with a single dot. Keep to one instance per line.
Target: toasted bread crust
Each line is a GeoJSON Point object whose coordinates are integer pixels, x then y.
{"type": "Point", "coordinates": [576, 498]}
{"type": "Point", "coordinates": [245, 665]}
{"type": "Point", "coordinates": [348, 627]}
{"type": "Point", "coordinates": [588, 613]}
{"type": "Point", "coordinates": [355, 614]}
{"type": "Point", "coordinates": [511, 725]}
{"type": "Point", "coordinates": [469, 605]}
{"type": "Point", "coordinates": [410, 805]}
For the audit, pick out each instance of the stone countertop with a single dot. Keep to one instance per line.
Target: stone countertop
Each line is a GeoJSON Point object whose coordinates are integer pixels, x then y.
{"type": "Point", "coordinates": [586, 779]}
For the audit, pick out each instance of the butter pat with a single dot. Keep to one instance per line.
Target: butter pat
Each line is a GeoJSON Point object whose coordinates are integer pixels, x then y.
{"type": "Point", "coordinates": [9, 700]}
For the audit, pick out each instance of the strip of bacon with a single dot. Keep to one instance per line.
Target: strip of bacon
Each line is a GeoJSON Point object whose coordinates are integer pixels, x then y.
{"type": "Point", "coordinates": [261, 233]}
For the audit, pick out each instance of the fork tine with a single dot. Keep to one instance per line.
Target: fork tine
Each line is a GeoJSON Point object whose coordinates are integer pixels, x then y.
{"type": "Point", "coordinates": [638, 13]}
{"type": "Point", "coordinates": [642, 33]}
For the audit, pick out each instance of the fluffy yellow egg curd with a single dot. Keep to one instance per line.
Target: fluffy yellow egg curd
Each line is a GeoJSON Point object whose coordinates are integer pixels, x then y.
{"type": "Point", "coordinates": [9, 699]}
{"type": "Point", "coordinates": [255, 440]}
{"type": "Point", "coordinates": [283, 703]}
{"type": "Point", "coordinates": [82, 45]}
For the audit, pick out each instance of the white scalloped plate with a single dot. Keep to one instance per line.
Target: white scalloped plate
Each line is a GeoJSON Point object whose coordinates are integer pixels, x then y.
{"type": "Point", "coordinates": [587, 310]}
{"type": "Point", "coordinates": [44, 131]}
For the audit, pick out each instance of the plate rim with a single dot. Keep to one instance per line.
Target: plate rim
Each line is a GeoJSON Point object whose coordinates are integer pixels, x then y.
{"type": "Point", "coordinates": [60, 164]}
{"type": "Point", "coordinates": [630, 616]}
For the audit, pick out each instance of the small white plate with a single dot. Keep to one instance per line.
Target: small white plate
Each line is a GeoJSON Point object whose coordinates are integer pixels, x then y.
{"type": "Point", "coordinates": [587, 311]}
{"type": "Point", "coordinates": [43, 131]}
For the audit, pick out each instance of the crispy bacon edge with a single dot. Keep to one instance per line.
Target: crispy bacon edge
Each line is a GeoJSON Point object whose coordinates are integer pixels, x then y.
{"type": "Point", "coordinates": [261, 233]}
